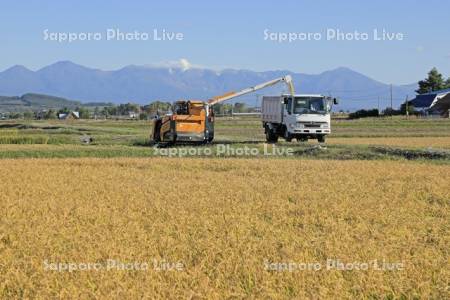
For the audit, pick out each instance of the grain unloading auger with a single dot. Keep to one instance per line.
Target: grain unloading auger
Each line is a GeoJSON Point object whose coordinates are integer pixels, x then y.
{"type": "Point", "coordinates": [192, 121]}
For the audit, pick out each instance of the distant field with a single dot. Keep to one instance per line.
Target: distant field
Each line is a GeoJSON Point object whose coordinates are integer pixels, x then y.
{"type": "Point", "coordinates": [232, 224]}
{"type": "Point", "coordinates": [250, 128]}
{"type": "Point", "coordinates": [350, 139]}
{"type": "Point", "coordinates": [409, 142]}
{"type": "Point", "coordinates": [110, 132]}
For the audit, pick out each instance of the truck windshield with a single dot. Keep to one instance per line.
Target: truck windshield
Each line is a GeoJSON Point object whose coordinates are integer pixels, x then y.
{"type": "Point", "coordinates": [309, 105]}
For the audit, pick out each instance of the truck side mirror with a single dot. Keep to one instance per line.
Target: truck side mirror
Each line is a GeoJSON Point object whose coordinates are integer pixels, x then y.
{"type": "Point", "coordinates": [335, 101]}
{"type": "Point", "coordinates": [285, 100]}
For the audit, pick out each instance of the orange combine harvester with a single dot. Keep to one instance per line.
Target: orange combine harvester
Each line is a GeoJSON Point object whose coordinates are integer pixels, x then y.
{"type": "Point", "coordinates": [192, 121]}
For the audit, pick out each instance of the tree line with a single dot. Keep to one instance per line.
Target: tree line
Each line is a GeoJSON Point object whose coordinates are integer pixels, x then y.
{"type": "Point", "coordinates": [116, 111]}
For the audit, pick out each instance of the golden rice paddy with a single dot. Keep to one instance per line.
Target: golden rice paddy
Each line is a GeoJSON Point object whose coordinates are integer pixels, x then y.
{"type": "Point", "coordinates": [223, 228]}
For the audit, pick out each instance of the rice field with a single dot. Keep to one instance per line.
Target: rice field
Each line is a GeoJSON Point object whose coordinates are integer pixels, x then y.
{"type": "Point", "coordinates": [409, 142]}
{"type": "Point", "coordinates": [351, 139]}
{"type": "Point", "coordinates": [223, 228]}
{"type": "Point", "coordinates": [367, 216]}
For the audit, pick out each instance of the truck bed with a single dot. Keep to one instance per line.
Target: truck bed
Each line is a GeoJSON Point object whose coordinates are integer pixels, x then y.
{"type": "Point", "coordinates": [272, 109]}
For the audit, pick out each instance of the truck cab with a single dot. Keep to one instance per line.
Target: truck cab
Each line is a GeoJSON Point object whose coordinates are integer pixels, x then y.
{"type": "Point", "coordinates": [301, 116]}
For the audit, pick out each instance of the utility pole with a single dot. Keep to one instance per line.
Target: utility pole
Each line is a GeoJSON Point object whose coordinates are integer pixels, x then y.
{"type": "Point", "coordinates": [392, 111]}
{"type": "Point", "coordinates": [379, 113]}
{"type": "Point", "coordinates": [406, 106]}
{"type": "Point", "coordinates": [257, 101]}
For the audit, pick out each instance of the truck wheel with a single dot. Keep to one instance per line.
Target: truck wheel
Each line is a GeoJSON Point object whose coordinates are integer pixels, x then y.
{"type": "Point", "coordinates": [321, 138]}
{"type": "Point", "coordinates": [271, 137]}
{"type": "Point", "coordinates": [302, 139]}
{"type": "Point", "coordinates": [287, 137]}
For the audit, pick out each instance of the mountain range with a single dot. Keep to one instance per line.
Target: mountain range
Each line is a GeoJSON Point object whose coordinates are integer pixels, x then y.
{"type": "Point", "coordinates": [144, 84]}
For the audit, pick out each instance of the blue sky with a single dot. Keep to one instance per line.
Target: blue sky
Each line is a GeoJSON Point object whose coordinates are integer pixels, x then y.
{"type": "Point", "coordinates": [231, 35]}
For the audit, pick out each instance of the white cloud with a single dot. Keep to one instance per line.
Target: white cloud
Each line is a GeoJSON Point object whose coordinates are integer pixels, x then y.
{"type": "Point", "coordinates": [182, 64]}
{"type": "Point", "coordinates": [185, 64]}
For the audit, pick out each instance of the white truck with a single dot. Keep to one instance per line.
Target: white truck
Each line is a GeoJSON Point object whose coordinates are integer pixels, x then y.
{"type": "Point", "coordinates": [298, 116]}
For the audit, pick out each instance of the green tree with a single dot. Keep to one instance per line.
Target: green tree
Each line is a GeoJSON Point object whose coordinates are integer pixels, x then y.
{"type": "Point", "coordinates": [109, 111]}
{"type": "Point", "coordinates": [391, 112]}
{"type": "Point", "coordinates": [132, 107]}
{"type": "Point", "coordinates": [157, 106]}
{"type": "Point", "coordinates": [435, 81]}
{"type": "Point", "coordinates": [218, 108]}
{"type": "Point", "coordinates": [50, 114]}
{"type": "Point", "coordinates": [84, 112]}
{"type": "Point", "coordinates": [240, 107]}
{"type": "Point", "coordinates": [410, 108]}
{"type": "Point", "coordinates": [28, 115]}
{"type": "Point", "coordinates": [105, 112]}
{"type": "Point", "coordinates": [362, 113]}
{"type": "Point", "coordinates": [222, 108]}
{"type": "Point", "coordinates": [15, 115]}
{"type": "Point", "coordinates": [64, 110]}
{"type": "Point", "coordinates": [143, 116]}
{"type": "Point", "coordinates": [96, 112]}
{"type": "Point", "coordinates": [227, 108]}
